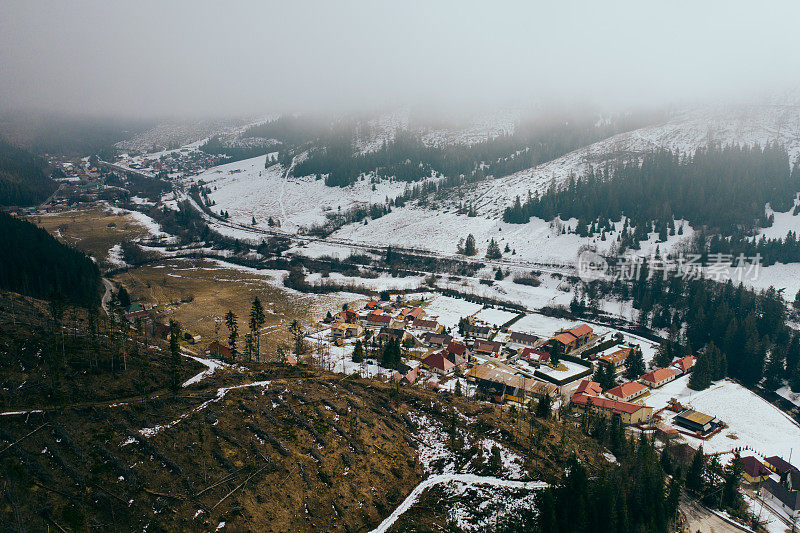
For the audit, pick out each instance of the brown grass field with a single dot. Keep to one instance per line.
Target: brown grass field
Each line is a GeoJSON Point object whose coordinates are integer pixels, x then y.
{"type": "Point", "coordinates": [93, 230]}
{"type": "Point", "coordinates": [198, 293]}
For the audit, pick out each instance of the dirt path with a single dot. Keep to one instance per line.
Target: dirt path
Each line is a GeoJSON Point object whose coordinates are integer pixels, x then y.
{"type": "Point", "coordinates": [107, 295]}
{"type": "Point", "coordinates": [697, 518]}
{"type": "Point", "coordinates": [469, 479]}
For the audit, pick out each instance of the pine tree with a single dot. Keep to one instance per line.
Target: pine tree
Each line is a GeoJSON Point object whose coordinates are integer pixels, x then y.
{"type": "Point", "coordinates": [695, 475]}
{"type": "Point", "coordinates": [469, 246]}
{"type": "Point", "coordinates": [493, 250]}
{"type": "Point", "coordinates": [634, 364]}
{"type": "Point", "coordinates": [175, 356]}
{"type": "Point", "coordinates": [543, 407]}
{"type": "Point", "coordinates": [358, 352]}
{"type": "Point", "coordinates": [701, 373]}
{"type": "Point", "coordinates": [604, 375]}
{"type": "Point", "coordinates": [257, 320]}
{"type": "Point", "coordinates": [731, 497]}
{"type": "Point", "coordinates": [233, 332]}
{"type": "Point", "coordinates": [298, 338]}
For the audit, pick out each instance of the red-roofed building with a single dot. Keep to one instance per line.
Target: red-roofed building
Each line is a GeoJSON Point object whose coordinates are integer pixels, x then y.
{"type": "Point", "coordinates": [409, 378]}
{"type": "Point", "coordinates": [754, 470]}
{"type": "Point", "coordinates": [425, 325]}
{"type": "Point", "coordinates": [132, 317]}
{"type": "Point", "coordinates": [564, 342]}
{"type": "Point", "coordinates": [617, 358]}
{"type": "Point", "coordinates": [457, 348]}
{"type": "Point", "coordinates": [414, 314]}
{"type": "Point", "coordinates": [218, 350]}
{"type": "Point", "coordinates": [629, 413]}
{"type": "Point", "coordinates": [627, 391]}
{"type": "Point", "coordinates": [486, 347]}
{"type": "Point", "coordinates": [535, 356]}
{"type": "Point", "coordinates": [378, 321]}
{"type": "Point", "coordinates": [457, 353]}
{"type": "Point", "coordinates": [658, 377]}
{"type": "Point", "coordinates": [372, 305]}
{"type": "Point", "coordinates": [589, 387]}
{"type": "Point", "coordinates": [581, 332]}
{"type": "Point", "coordinates": [685, 364]}
{"type": "Point", "coordinates": [439, 363]}
{"type": "Point", "coordinates": [346, 315]}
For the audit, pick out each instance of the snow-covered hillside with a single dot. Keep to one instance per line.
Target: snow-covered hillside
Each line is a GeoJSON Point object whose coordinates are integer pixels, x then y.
{"type": "Point", "coordinates": [686, 131]}
{"type": "Point", "coordinates": [245, 189]}
{"type": "Point", "coordinates": [536, 241]}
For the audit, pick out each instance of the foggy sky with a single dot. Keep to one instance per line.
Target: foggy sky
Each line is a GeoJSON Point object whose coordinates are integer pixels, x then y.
{"type": "Point", "coordinates": [215, 58]}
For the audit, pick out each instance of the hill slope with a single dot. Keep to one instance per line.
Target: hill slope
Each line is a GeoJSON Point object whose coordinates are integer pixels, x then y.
{"type": "Point", "coordinates": [22, 178]}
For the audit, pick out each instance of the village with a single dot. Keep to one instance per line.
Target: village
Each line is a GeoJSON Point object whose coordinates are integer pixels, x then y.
{"type": "Point", "coordinates": [492, 355]}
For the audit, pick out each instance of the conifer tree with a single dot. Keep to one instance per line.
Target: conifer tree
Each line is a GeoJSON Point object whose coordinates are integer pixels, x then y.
{"type": "Point", "coordinates": [701, 373]}
{"type": "Point", "coordinates": [175, 356]}
{"type": "Point", "coordinates": [358, 352]}
{"type": "Point", "coordinates": [233, 332]}
{"type": "Point", "coordinates": [634, 364]}
{"type": "Point", "coordinates": [469, 246]}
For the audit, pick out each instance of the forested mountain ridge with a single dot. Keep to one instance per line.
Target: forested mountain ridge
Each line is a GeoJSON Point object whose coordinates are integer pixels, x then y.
{"type": "Point", "coordinates": [34, 263]}
{"type": "Point", "coordinates": [23, 177]}
{"type": "Point", "coordinates": [704, 188]}
{"type": "Point", "coordinates": [684, 131]}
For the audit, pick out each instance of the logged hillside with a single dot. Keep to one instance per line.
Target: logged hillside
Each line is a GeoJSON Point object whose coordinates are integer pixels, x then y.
{"type": "Point", "coordinates": [285, 450]}
{"type": "Point", "coordinates": [23, 180]}
{"type": "Point", "coordinates": [34, 263]}
{"type": "Point", "coordinates": [96, 440]}
{"type": "Point", "coordinates": [54, 354]}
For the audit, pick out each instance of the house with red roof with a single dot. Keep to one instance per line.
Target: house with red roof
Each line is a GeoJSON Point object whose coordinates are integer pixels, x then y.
{"type": "Point", "coordinates": [590, 387]}
{"type": "Point", "coordinates": [685, 365]}
{"type": "Point", "coordinates": [753, 470]}
{"type": "Point", "coordinates": [627, 391]}
{"type": "Point", "coordinates": [216, 349]}
{"type": "Point", "coordinates": [424, 324]}
{"type": "Point", "coordinates": [486, 347]}
{"type": "Point", "coordinates": [439, 363]}
{"type": "Point", "coordinates": [409, 378]}
{"type": "Point", "coordinates": [378, 320]}
{"type": "Point", "coordinates": [658, 377]}
{"type": "Point", "coordinates": [457, 353]}
{"type": "Point", "coordinates": [617, 358]}
{"type": "Point", "coordinates": [535, 356]}
{"type": "Point", "coordinates": [414, 314]}
{"type": "Point", "coordinates": [628, 412]}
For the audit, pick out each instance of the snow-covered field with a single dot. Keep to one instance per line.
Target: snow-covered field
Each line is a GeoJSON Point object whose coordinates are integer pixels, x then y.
{"type": "Point", "coordinates": [245, 189]}
{"type": "Point", "coordinates": [496, 317]}
{"type": "Point", "coordinates": [383, 282]}
{"type": "Point", "coordinates": [572, 369]}
{"type": "Point", "coordinates": [537, 241]}
{"type": "Point", "coordinates": [753, 422]}
{"type": "Point", "coordinates": [449, 310]}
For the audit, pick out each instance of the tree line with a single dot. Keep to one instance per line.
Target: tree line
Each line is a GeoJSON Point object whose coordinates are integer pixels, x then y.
{"type": "Point", "coordinates": [736, 331]}
{"type": "Point", "coordinates": [333, 153]}
{"type": "Point", "coordinates": [704, 188]}
{"type": "Point", "coordinates": [23, 177]}
{"type": "Point", "coordinates": [34, 263]}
